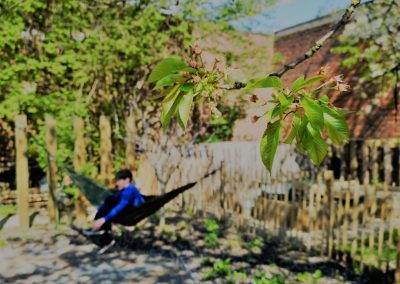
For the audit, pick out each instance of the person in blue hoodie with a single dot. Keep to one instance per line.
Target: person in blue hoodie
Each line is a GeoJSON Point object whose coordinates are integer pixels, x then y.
{"type": "Point", "coordinates": [112, 209]}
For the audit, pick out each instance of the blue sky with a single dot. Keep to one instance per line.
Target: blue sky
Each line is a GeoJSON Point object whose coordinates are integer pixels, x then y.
{"type": "Point", "coordinates": [286, 13]}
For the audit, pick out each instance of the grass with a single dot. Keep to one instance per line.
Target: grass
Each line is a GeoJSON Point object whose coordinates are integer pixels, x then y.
{"type": "Point", "coordinates": [8, 209]}
{"type": "Point", "coordinates": [371, 256]}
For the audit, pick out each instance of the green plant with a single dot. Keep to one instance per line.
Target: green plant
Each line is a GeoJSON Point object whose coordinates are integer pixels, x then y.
{"type": "Point", "coordinates": [236, 277]}
{"type": "Point", "coordinates": [307, 277]}
{"type": "Point", "coordinates": [255, 243]}
{"type": "Point", "coordinates": [220, 268]}
{"type": "Point", "coordinates": [211, 237]}
{"type": "Point", "coordinates": [3, 243]}
{"type": "Point", "coordinates": [261, 278]}
{"type": "Point", "coordinates": [305, 101]}
{"type": "Point", "coordinates": [8, 209]}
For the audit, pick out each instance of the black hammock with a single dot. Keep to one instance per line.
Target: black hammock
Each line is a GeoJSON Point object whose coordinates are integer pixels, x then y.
{"type": "Point", "coordinates": [96, 194]}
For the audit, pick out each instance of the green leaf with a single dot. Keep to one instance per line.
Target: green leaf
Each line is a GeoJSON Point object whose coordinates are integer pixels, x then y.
{"type": "Point", "coordinates": [168, 81]}
{"type": "Point", "coordinates": [268, 82]}
{"type": "Point", "coordinates": [187, 87]}
{"type": "Point", "coordinates": [297, 83]}
{"type": "Point", "coordinates": [268, 115]}
{"type": "Point", "coordinates": [269, 143]}
{"type": "Point", "coordinates": [336, 125]}
{"type": "Point", "coordinates": [168, 106]}
{"type": "Point", "coordinates": [166, 67]}
{"type": "Point", "coordinates": [163, 93]}
{"type": "Point", "coordinates": [324, 99]}
{"type": "Point", "coordinates": [277, 111]}
{"type": "Point", "coordinates": [189, 69]}
{"type": "Point", "coordinates": [313, 112]}
{"type": "Point", "coordinates": [315, 145]}
{"type": "Point", "coordinates": [295, 128]}
{"type": "Point", "coordinates": [283, 99]}
{"type": "Point", "coordinates": [184, 107]}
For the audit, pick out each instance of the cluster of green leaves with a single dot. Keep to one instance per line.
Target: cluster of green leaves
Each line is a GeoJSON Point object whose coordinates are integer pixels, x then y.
{"type": "Point", "coordinates": [255, 243]}
{"type": "Point", "coordinates": [211, 237]}
{"type": "Point", "coordinates": [307, 277]}
{"type": "Point", "coordinates": [220, 268]}
{"type": "Point", "coordinates": [183, 85]}
{"type": "Point", "coordinates": [312, 114]}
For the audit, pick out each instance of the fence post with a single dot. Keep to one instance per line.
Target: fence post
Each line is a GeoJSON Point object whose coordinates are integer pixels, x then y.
{"type": "Point", "coordinates": [51, 142]}
{"type": "Point", "coordinates": [329, 187]}
{"type": "Point", "coordinates": [346, 214]}
{"type": "Point", "coordinates": [79, 161]}
{"type": "Point", "coordinates": [382, 223]}
{"type": "Point", "coordinates": [79, 148]}
{"type": "Point", "coordinates": [22, 171]}
{"type": "Point", "coordinates": [355, 216]}
{"type": "Point", "coordinates": [130, 153]}
{"type": "Point", "coordinates": [105, 150]}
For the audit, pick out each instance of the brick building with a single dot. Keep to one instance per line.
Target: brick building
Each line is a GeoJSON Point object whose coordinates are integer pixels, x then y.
{"type": "Point", "coordinates": [374, 134]}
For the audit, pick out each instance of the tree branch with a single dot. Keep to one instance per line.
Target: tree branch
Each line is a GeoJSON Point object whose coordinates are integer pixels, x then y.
{"type": "Point", "coordinates": [313, 50]}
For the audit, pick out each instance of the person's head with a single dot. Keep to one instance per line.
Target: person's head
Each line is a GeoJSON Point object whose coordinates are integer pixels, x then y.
{"type": "Point", "coordinates": [123, 178]}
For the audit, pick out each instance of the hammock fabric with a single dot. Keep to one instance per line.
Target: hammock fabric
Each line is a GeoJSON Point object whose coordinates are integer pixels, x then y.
{"type": "Point", "coordinates": [96, 193]}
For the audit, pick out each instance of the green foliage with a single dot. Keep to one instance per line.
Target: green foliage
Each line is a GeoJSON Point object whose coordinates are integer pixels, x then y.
{"type": "Point", "coordinates": [312, 116]}
{"type": "Point", "coordinates": [220, 268]}
{"type": "Point", "coordinates": [80, 58]}
{"type": "Point", "coordinates": [3, 243]}
{"type": "Point", "coordinates": [221, 128]}
{"type": "Point", "coordinates": [8, 209]}
{"type": "Point", "coordinates": [307, 277]}
{"type": "Point", "coordinates": [184, 85]}
{"type": "Point", "coordinates": [255, 243]}
{"type": "Point", "coordinates": [369, 43]}
{"type": "Point", "coordinates": [261, 278]}
{"type": "Point", "coordinates": [211, 237]}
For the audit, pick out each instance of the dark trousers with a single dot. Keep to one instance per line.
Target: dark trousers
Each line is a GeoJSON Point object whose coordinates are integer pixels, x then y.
{"type": "Point", "coordinates": [109, 203]}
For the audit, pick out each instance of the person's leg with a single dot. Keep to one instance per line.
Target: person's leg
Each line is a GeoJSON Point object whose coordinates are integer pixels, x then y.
{"type": "Point", "coordinates": [125, 216]}
{"type": "Point", "coordinates": [109, 203]}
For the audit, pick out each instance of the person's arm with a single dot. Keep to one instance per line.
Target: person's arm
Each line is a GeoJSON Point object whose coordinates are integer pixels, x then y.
{"type": "Point", "coordinates": [126, 197]}
{"type": "Point", "coordinates": [138, 199]}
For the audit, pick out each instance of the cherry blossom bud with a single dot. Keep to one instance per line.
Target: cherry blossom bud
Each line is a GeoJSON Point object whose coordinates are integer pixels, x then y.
{"type": "Point", "coordinates": [253, 98]}
{"type": "Point", "coordinates": [193, 64]}
{"type": "Point", "coordinates": [196, 79]}
{"type": "Point", "coordinates": [254, 118]}
{"type": "Point", "coordinates": [196, 50]}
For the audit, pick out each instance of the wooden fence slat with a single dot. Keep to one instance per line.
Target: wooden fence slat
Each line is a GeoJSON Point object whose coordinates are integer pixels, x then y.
{"type": "Point", "coordinates": [329, 187]}
{"type": "Point", "coordinates": [364, 210]}
{"type": "Point", "coordinates": [130, 153]}
{"type": "Point", "coordinates": [355, 215]}
{"type": "Point", "coordinates": [338, 221]}
{"type": "Point", "coordinates": [372, 213]}
{"type": "Point", "coordinates": [51, 141]}
{"type": "Point", "coordinates": [79, 161]}
{"type": "Point", "coordinates": [346, 222]}
{"type": "Point", "coordinates": [382, 223]}
{"type": "Point", "coordinates": [22, 171]}
{"type": "Point", "coordinates": [105, 151]}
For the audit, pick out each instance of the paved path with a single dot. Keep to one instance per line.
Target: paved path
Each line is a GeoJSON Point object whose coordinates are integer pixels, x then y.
{"type": "Point", "coordinates": [44, 257]}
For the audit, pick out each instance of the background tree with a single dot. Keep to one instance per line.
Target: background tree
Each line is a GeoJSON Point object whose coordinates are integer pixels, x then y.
{"type": "Point", "coordinates": [88, 58]}
{"type": "Point", "coordinates": [371, 42]}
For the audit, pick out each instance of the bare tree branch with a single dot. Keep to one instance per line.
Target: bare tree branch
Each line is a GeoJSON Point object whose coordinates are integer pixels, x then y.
{"type": "Point", "coordinates": [313, 50]}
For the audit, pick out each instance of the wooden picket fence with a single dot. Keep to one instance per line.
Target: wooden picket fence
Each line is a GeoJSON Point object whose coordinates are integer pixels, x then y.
{"type": "Point", "coordinates": [343, 218]}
